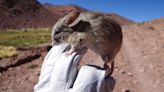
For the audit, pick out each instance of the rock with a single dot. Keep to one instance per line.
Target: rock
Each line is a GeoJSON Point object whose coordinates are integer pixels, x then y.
{"type": "Point", "coordinates": [122, 72]}
{"type": "Point", "coordinates": [10, 68]}
{"type": "Point", "coordinates": [26, 56]}
{"type": "Point", "coordinates": [135, 82]}
{"type": "Point", "coordinates": [18, 68]}
{"type": "Point", "coordinates": [127, 90]}
{"type": "Point", "coordinates": [130, 74]}
{"type": "Point", "coordinates": [142, 70]}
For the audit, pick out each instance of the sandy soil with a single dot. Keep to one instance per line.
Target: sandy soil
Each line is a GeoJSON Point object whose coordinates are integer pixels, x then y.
{"type": "Point", "coordinates": [139, 64]}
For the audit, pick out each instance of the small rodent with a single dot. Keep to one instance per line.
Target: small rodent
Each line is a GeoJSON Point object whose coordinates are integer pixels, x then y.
{"type": "Point", "coordinates": [97, 31]}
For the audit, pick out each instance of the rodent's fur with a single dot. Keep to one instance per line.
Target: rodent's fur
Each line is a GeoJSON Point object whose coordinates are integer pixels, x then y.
{"type": "Point", "coordinates": [93, 30]}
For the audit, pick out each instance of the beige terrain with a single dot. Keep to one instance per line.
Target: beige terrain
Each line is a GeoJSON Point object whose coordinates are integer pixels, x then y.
{"type": "Point", "coordinates": [139, 64]}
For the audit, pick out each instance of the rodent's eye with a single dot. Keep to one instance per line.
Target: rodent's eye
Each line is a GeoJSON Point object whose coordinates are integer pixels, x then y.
{"type": "Point", "coordinates": [57, 32]}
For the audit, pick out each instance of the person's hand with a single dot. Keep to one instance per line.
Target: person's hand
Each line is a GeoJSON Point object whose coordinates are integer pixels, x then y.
{"type": "Point", "coordinates": [59, 74]}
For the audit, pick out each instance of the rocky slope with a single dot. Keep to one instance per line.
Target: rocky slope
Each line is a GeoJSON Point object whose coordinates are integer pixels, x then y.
{"type": "Point", "coordinates": [24, 14]}
{"type": "Point", "coordinates": [32, 14]}
{"type": "Point", "coordinates": [62, 10]}
{"type": "Point", "coordinates": [139, 64]}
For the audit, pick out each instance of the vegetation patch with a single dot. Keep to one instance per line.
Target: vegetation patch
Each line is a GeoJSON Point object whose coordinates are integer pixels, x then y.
{"type": "Point", "coordinates": [19, 38]}
{"type": "Point", "coordinates": [7, 51]}
{"type": "Point", "coordinates": [11, 39]}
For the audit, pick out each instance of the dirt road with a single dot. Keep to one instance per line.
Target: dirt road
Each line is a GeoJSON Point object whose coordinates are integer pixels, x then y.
{"type": "Point", "coordinates": [140, 63]}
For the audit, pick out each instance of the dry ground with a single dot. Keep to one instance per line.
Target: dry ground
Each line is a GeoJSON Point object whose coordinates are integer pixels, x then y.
{"type": "Point", "coordinates": [139, 64]}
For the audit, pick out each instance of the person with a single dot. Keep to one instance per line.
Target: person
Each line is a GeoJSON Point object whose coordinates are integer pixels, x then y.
{"type": "Point", "coordinates": [59, 73]}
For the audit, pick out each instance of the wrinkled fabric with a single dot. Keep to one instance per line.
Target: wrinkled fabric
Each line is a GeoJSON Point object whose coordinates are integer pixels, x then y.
{"type": "Point", "coordinates": [59, 74]}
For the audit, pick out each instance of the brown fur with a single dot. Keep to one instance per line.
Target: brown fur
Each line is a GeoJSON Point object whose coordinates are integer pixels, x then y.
{"type": "Point", "coordinates": [92, 30]}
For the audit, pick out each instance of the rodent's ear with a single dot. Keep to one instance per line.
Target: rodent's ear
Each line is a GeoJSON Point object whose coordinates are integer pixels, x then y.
{"type": "Point", "coordinates": [71, 17]}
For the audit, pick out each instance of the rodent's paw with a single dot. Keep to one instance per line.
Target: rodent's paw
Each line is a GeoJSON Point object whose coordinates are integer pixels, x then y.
{"type": "Point", "coordinates": [109, 70]}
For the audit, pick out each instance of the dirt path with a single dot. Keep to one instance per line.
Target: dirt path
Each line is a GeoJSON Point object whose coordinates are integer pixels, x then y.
{"type": "Point", "coordinates": [139, 64]}
{"type": "Point", "coordinates": [136, 62]}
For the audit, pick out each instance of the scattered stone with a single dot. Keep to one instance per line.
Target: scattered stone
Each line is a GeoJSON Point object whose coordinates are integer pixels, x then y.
{"type": "Point", "coordinates": [135, 82]}
{"type": "Point", "coordinates": [10, 68]}
{"type": "Point", "coordinates": [127, 90]}
{"type": "Point", "coordinates": [23, 58]}
{"type": "Point", "coordinates": [37, 73]}
{"type": "Point", "coordinates": [130, 74]}
{"type": "Point", "coordinates": [18, 68]}
{"type": "Point", "coordinates": [122, 72]}
{"type": "Point", "coordinates": [142, 70]}
{"type": "Point", "coordinates": [116, 67]}
{"type": "Point", "coordinates": [32, 66]}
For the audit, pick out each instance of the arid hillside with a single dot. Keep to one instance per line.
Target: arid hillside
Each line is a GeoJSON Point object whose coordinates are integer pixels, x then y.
{"type": "Point", "coordinates": [62, 10]}
{"type": "Point", "coordinates": [15, 14]}
{"type": "Point", "coordinates": [139, 65]}
{"type": "Point", "coordinates": [25, 14]}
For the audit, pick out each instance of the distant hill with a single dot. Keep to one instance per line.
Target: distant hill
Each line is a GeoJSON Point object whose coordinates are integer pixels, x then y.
{"type": "Point", "coordinates": [25, 14]}
{"type": "Point", "coordinates": [138, 65]}
{"type": "Point", "coordinates": [31, 14]}
{"type": "Point", "coordinates": [61, 10]}
{"type": "Point", "coordinates": [120, 19]}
